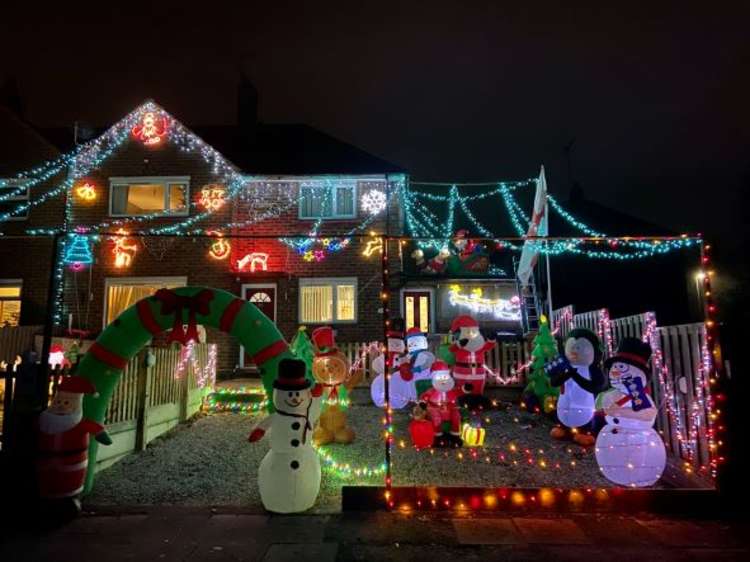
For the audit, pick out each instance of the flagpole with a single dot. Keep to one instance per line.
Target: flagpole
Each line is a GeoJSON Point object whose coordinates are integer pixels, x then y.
{"type": "Point", "coordinates": [549, 273]}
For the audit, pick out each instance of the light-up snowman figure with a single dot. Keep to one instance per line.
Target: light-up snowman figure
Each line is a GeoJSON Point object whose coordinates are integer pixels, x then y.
{"type": "Point", "coordinates": [399, 390]}
{"type": "Point", "coordinates": [628, 449]}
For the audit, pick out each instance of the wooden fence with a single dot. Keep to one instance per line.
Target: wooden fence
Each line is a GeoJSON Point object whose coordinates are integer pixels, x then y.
{"type": "Point", "coordinates": [680, 366]}
{"type": "Point", "coordinates": [150, 398]}
{"type": "Point", "coordinates": [158, 389]}
{"type": "Point", "coordinates": [14, 340]}
{"type": "Point", "coordinates": [505, 358]}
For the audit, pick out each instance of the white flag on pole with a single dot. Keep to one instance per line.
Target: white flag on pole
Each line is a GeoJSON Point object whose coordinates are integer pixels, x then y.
{"type": "Point", "coordinates": [537, 227]}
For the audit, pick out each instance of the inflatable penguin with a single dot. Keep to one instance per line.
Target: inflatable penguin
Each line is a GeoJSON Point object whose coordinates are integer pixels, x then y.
{"type": "Point", "coordinates": [289, 474]}
{"type": "Point", "coordinates": [628, 449]}
{"type": "Point", "coordinates": [580, 379]}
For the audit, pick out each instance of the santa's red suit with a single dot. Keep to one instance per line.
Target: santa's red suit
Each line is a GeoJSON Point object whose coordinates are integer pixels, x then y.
{"type": "Point", "coordinates": [441, 407]}
{"type": "Point", "coordinates": [470, 366]}
{"type": "Point", "coordinates": [62, 460]}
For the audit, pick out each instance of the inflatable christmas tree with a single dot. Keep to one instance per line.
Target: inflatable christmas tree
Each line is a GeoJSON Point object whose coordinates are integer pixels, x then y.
{"type": "Point", "coordinates": [539, 393]}
{"type": "Point", "coordinates": [302, 348]}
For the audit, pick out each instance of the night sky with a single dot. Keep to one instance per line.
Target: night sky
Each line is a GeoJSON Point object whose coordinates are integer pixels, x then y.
{"type": "Point", "coordinates": [656, 98]}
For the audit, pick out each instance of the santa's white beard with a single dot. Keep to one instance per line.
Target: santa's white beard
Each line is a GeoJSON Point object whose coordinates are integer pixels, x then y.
{"type": "Point", "coordinates": [57, 423]}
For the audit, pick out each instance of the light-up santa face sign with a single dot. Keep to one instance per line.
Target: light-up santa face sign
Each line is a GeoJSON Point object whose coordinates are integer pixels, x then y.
{"type": "Point", "coordinates": [152, 129]}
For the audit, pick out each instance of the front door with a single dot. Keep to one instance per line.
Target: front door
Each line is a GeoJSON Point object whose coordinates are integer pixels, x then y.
{"type": "Point", "coordinates": [264, 297]}
{"type": "Point", "coordinates": [418, 309]}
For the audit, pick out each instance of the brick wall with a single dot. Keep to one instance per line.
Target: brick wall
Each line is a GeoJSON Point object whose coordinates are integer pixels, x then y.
{"type": "Point", "coordinates": [84, 293]}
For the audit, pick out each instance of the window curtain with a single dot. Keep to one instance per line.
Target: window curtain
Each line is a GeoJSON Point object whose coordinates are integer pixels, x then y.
{"type": "Point", "coordinates": [120, 297]}
{"type": "Point", "coordinates": [345, 201]}
{"type": "Point", "coordinates": [119, 199]}
{"type": "Point", "coordinates": [317, 304]}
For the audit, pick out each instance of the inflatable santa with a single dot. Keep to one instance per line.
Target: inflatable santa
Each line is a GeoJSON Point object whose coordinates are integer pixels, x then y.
{"type": "Point", "coordinates": [442, 409]}
{"type": "Point", "coordinates": [63, 441]}
{"type": "Point", "coordinates": [469, 348]}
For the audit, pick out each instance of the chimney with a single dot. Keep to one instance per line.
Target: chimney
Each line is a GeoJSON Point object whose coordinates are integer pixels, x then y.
{"type": "Point", "coordinates": [247, 108]}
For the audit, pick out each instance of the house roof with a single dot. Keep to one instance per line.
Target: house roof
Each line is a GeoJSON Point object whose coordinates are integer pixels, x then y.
{"type": "Point", "coordinates": [272, 149]}
{"type": "Point", "coordinates": [21, 145]}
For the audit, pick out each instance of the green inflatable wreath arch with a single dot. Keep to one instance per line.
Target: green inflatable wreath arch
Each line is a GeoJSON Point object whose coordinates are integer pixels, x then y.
{"type": "Point", "coordinates": [171, 309]}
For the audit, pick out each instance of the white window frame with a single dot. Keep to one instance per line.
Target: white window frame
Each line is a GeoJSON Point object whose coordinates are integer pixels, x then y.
{"type": "Point", "coordinates": [431, 291]}
{"type": "Point", "coordinates": [334, 282]}
{"type": "Point", "coordinates": [10, 185]}
{"type": "Point", "coordinates": [334, 185]}
{"type": "Point", "coordinates": [163, 180]}
{"type": "Point", "coordinates": [176, 281]}
{"type": "Point", "coordinates": [243, 288]}
{"type": "Point", "coordinates": [14, 283]}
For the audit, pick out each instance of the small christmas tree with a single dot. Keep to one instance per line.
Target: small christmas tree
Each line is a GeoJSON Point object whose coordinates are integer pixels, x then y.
{"type": "Point", "coordinates": [302, 348]}
{"type": "Point", "coordinates": [78, 253]}
{"type": "Point", "coordinates": [539, 389]}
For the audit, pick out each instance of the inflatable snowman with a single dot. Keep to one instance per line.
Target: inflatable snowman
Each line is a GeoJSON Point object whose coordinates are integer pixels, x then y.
{"type": "Point", "coordinates": [628, 449]}
{"type": "Point", "coordinates": [399, 390]}
{"type": "Point", "coordinates": [415, 368]}
{"type": "Point", "coordinates": [289, 474]}
{"type": "Point", "coordinates": [580, 379]}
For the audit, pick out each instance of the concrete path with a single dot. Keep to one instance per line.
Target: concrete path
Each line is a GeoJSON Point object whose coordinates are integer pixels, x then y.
{"type": "Point", "coordinates": [197, 535]}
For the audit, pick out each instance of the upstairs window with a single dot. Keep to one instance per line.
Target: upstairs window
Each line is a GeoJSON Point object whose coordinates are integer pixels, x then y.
{"type": "Point", "coordinates": [13, 192]}
{"type": "Point", "coordinates": [143, 196]}
{"type": "Point", "coordinates": [328, 200]}
{"type": "Point", "coordinates": [10, 302]}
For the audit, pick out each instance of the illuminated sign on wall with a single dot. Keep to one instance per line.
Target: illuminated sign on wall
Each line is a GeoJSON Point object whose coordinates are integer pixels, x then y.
{"type": "Point", "coordinates": [474, 301]}
{"type": "Point", "coordinates": [220, 248]}
{"type": "Point", "coordinates": [255, 261]}
{"type": "Point", "coordinates": [124, 249]}
{"type": "Point", "coordinates": [152, 128]}
{"type": "Point", "coordinates": [213, 197]}
{"type": "Point", "coordinates": [86, 192]}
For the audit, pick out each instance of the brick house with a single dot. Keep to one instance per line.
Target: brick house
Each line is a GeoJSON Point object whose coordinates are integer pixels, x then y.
{"type": "Point", "coordinates": [295, 180]}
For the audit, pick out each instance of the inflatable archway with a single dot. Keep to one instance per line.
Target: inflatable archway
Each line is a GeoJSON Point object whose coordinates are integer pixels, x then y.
{"type": "Point", "coordinates": [173, 309]}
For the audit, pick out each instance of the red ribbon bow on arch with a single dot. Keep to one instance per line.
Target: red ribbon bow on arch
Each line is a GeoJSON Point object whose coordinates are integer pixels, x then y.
{"type": "Point", "coordinates": [172, 303]}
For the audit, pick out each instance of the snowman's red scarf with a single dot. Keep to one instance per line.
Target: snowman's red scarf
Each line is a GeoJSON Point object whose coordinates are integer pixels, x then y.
{"type": "Point", "coordinates": [306, 417]}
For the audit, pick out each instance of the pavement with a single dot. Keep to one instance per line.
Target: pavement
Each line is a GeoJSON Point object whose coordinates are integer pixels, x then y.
{"type": "Point", "coordinates": [200, 534]}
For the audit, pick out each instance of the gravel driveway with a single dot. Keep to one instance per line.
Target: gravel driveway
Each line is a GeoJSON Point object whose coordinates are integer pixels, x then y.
{"type": "Point", "coordinates": [209, 461]}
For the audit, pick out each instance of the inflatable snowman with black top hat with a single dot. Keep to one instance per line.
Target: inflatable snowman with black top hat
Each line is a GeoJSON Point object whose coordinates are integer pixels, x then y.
{"type": "Point", "coordinates": [628, 449]}
{"type": "Point", "coordinates": [289, 474]}
{"type": "Point", "coordinates": [580, 380]}
{"type": "Point", "coordinates": [399, 390]}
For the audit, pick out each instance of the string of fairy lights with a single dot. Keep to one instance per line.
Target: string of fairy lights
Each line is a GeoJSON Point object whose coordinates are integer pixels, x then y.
{"type": "Point", "coordinates": [435, 232]}
{"type": "Point", "coordinates": [152, 125]}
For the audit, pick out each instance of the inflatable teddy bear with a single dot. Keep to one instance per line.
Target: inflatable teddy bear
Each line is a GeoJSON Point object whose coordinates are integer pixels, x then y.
{"type": "Point", "coordinates": [331, 369]}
